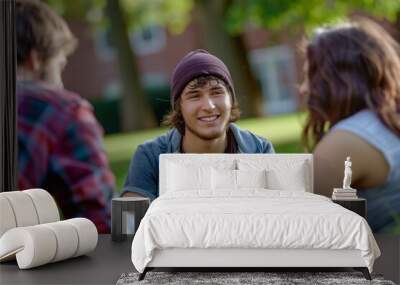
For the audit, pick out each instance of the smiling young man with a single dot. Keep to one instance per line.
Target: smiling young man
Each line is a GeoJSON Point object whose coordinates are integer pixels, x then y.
{"type": "Point", "coordinates": [204, 108]}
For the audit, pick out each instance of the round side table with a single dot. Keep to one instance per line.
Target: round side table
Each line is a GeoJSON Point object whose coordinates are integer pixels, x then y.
{"type": "Point", "coordinates": [126, 214]}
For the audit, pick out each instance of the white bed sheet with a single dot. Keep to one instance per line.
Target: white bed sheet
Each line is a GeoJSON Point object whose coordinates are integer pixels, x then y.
{"type": "Point", "coordinates": [251, 218]}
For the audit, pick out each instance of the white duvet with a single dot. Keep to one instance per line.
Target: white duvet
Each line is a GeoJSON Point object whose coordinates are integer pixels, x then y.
{"type": "Point", "coordinates": [253, 218]}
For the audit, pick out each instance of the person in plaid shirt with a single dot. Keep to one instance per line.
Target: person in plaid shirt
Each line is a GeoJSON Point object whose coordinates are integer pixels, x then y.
{"type": "Point", "coordinates": [59, 140]}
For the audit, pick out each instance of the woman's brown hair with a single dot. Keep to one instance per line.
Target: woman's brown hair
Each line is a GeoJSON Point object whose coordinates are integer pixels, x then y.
{"type": "Point", "coordinates": [349, 68]}
{"type": "Point", "coordinates": [174, 118]}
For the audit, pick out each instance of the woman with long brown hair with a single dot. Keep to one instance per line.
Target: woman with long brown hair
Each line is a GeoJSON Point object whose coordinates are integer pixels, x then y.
{"type": "Point", "coordinates": [352, 86]}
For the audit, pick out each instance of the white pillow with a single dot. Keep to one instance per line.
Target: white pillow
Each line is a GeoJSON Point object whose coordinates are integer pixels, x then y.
{"type": "Point", "coordinates": [202, 160]}
{"type": "Point", "coordinates": [184, 177]}
{"type": "Point", "coordinates": [251, 178]}
{"type": "Point", "coordinates": [225, 179]}
{"type": "Point", "coordinates": [282, 174]}
{"type": "Point", "coordinates": [295, 179]}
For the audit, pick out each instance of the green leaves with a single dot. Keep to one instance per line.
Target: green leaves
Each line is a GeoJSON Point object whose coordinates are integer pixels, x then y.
{"type": "Point", "coordinates": [289, 15]}
{"type": "Point", "coordinates": [307, 14]}
{"type": "Point", "coordinates": [174, 14]}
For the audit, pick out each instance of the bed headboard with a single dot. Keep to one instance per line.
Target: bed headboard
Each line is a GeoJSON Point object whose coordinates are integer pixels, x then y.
{"type": "Point", "coordinates": [286, 162]}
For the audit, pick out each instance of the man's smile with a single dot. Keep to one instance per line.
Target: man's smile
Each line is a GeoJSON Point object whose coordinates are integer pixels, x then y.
{"type": "Point", "coordinates": [208, 119]}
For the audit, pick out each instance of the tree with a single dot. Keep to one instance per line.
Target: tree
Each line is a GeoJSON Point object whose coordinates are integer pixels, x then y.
{"type": "Point", "coordinates": [210, 16]}
{"type": "Point", "coordinates": [123, 17]}
{"type": "Point", "coordinates": [139, 14]}
{"type": "Point", "coordinates": [288, 16]}
{"type": "Point", "coordinates": [135, 109]}
{"type": "Point", "coordinates": [221, 22]}
{"type": "Point", "coordinates": [294, 16]}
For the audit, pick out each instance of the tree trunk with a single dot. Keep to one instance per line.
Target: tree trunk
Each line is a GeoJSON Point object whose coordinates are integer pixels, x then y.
{"type": "Point", "coordinates": [136, 112]}
{"type": "Point", "coordinates": [210, 17]}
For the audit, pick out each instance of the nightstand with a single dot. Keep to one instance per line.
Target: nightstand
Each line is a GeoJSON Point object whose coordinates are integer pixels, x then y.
{"type": "Point", "coordinates": [358, 206]}
{"type": "Point", "coordinates": [126, 214]}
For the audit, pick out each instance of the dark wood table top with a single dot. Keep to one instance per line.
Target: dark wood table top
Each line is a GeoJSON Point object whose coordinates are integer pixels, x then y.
{"type": "Point", "coordinates": [110, 259]}
{"type": "Point", "coordinates": [104, 265]}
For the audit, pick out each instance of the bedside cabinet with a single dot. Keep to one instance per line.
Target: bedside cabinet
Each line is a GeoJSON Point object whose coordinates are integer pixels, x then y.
{"type": "Point", "coordinates": [126, 214]}
{"type": "Point", "coordinates": [358, 206]}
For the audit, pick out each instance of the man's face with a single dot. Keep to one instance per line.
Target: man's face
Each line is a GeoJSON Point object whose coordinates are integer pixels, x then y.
{"type": "Point", "coordinates": [206, 109]}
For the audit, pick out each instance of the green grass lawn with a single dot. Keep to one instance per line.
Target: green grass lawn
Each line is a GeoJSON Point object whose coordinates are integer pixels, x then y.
{"type": "Point", "coordinates": [283, 131]}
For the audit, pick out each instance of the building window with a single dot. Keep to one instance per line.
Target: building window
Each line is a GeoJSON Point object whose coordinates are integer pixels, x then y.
{"type": "Point", "coordinates": [274, 67]}
{"type": "Point", "coordinates": [146, 41]}
{"type": "Point", "coordinates": [149, 40]}
{"type": "Point", "coordinates": [104, 46]}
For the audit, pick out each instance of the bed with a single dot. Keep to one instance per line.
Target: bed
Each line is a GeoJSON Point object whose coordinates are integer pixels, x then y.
{"type": "Point", "coordinates": [245, 211]}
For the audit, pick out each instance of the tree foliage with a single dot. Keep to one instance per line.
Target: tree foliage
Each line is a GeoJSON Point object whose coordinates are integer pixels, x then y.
{"type": "Point", "coordinates": [302, 14]}
{"type": "Point", "coordinates": [174, 14]}
{"type": "Point", "coordinates": [289, 16]}
{"type": "Point", "coordinates": [121, 17]}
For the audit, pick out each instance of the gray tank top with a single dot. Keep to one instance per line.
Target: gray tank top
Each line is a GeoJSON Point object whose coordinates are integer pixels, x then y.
{"type": "Point", "coordinates": [383, 202]}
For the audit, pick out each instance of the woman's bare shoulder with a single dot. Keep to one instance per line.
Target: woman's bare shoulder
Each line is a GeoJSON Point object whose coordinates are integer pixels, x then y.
{"type": "Point", "coordinates": [369, 165]}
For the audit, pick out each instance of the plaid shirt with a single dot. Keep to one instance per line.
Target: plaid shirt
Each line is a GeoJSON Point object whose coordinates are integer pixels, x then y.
{"type": "Point", "coordinates": [60, 150]}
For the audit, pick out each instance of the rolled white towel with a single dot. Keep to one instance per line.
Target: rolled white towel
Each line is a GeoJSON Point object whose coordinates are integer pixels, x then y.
{"type": "Point", "coordinates": [33, 246]}
{"type": "Point", "coordinates": [66, 238]}
{"type": "Point", "coordinates": [40, 244]}
{"type": "Point", "coordinates": [26, 208]}
{"type": "Point", "coordinates": [87, 235]}
{"type": "Point", "coordinates": [22, 207]}
{"type": "Point", "coordinates": [7, 218]}
{"type": "Point", "coordinates": [46, 207]}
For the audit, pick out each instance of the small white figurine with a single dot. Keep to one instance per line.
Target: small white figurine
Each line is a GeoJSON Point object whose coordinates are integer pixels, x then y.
{"type": "Point", "coordinates": [347, 174]}
{"type": "Point", "coordinates": [347, 192]}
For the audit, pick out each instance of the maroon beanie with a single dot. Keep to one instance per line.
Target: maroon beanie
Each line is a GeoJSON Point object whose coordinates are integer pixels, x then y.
{"type": "Point", "coordinates": [195, 64]}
